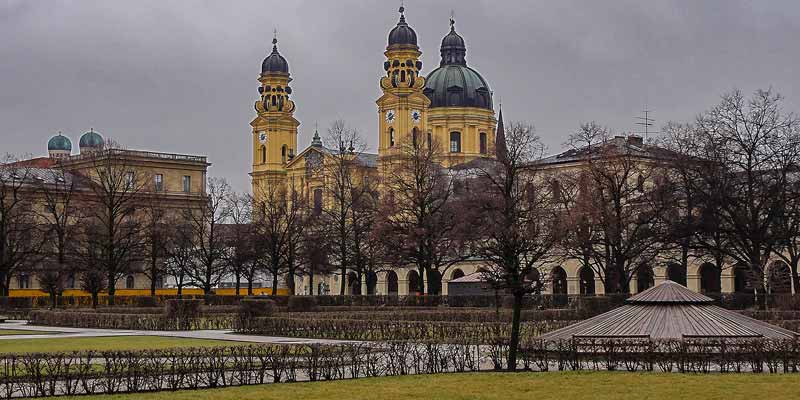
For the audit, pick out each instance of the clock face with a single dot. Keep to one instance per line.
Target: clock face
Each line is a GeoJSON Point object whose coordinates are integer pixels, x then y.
{"type": "Point", "coordinates": [390, 116]}
{"type": "Point", "coordinates": [262, 137]}
{"type": "Point", "coordinates": [416, 116]}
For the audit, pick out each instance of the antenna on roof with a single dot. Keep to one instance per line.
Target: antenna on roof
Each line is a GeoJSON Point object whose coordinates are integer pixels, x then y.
{"type": "Point", "coordinates": [645, 122]}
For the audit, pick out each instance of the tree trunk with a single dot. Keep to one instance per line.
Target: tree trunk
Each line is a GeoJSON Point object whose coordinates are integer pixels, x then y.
{"type": "Point", "coordinates": [238, 284]}
{"type": "Point", "coordinates": [274, 284]}
{"type": "Point", "coordinates": [311, 282]}
{"type": "Point", "coordinates": [513, 344]}
{"type": "Point", "coordinates": [250, 286]}
{"type": "Point", "coordinates": [95, 299]}
{"type": "Point", "coordinates": [153, 283]}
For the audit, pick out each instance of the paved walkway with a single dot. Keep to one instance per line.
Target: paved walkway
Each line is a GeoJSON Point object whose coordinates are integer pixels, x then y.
{"type": "Point", "coordinates": [48, 332]}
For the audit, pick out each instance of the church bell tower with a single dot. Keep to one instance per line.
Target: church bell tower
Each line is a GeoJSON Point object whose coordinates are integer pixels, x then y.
{"type": "Point", "coordinates": [274, 130]}
{"type": "Point", "coordinates": [402, 109]}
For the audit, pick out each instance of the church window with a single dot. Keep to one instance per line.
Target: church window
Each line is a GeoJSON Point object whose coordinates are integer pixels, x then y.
{"type": "Point", "coordinates": [414, 137]}
{"type": "Point", "coordinates": [482, 140]}
{"type": "Point", "coordinates": [430, 139]}
{"type": "Point", "coordinates": [263, 154]}
{"type": "Point", "coordinates": [402, 76]}
{"type": "Point", "coordinates": [317, 201]}
{"type": "Point", "coordinates": [129, 282]}
{"type": "Point", "coordinates": [283, 153]}
{"type": "Point", "coordinates": [455, 142]}
{"type": "Point", "coordinates": [391, 137]}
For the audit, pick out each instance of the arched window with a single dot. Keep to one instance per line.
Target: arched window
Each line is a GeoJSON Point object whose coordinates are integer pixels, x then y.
{"type": "Point", "coordinates": [263, 154]}
{"type": "Point", "coordinates": [71, 280]}
{"type": "Point", "coordinates": [24, 281]}
{"type": "Point", "coordinates": [391, 137]}
{"type": "Point", "coordinates": [430, 139]}
{"type": "Point", "coordinates": [414, 137]}
{"type": "Point", "coordinates": [283, 153]}
{"type": "Point", "coordinates": [402, 76]}
{"type": "Point", "coordinates": [129, 282]}
{"type": "Point", "coordinates": [483, 143]}
{"type": "Point", "coordinates": [455, 142]}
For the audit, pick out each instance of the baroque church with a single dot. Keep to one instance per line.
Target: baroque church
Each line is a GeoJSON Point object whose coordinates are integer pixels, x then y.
{"type": "Point", "coordinates": [452, 106]}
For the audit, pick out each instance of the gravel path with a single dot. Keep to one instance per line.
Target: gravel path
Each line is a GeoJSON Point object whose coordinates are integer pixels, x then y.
{"type": "Point", "coordinates": [47, 332]}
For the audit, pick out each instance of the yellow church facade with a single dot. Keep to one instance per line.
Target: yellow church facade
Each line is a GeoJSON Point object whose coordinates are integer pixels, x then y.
{"type": "Point", "coordinates": [451, 106]}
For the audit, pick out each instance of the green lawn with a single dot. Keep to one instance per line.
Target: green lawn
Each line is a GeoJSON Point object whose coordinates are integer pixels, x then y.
{"type": "Point", "coordinates": [499, 386]}
{"type": "Point", "coordinates": [7, 332]}
{"type": "Point", "coordinates": [104, 343]}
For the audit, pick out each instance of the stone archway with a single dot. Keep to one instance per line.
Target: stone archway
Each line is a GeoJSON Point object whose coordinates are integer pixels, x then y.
{"type": "Point", "coordinates": [391, 283]}
{"type": "Point", "coordinates": [353, 284]}
{"type": "Point", "coordinates": [710, 278]}
{"type": "Point", "coordinates": [676, 273]}
{"type": "Point", "coordinates": [372, 282]}
{"type": "Point", "coordinates": [457, 273]}
{"type": "Point", "coordinates": [413, 282]}
{"type": "Point", "coordinates": [586, 277]}
{"type": "Point", "coordinates": [645, 278]}
{"type": "Point", "coordinates": [559, 281]}
{"type": "Point", "coordinates": [741, 279]}
{"type": "Point", "coordinates": [779, 277]}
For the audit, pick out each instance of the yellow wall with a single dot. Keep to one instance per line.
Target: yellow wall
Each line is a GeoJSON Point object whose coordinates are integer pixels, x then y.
{"type": "Point", "coordinates": [146, 292]}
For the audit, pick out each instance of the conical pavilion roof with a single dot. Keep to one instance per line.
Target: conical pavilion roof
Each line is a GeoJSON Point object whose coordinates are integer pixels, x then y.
{"type": "Point", "coordinates": [670, 311]}
{"type": "Point", "coordinates": [669, 292]}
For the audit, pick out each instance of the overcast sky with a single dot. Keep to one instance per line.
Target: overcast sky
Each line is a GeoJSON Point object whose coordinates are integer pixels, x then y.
{"type": "Point", "coordinates": [180, 76]}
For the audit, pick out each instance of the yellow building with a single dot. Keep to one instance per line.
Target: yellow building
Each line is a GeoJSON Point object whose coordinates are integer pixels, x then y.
{"type": "Point", "coordinates": [170, 182]}
{"type": "Point", "coordinates": [452, 106]}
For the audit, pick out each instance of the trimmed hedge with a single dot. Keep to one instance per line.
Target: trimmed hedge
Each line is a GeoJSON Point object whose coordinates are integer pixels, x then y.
{"type": "Point", "coordinates": [149, 322]}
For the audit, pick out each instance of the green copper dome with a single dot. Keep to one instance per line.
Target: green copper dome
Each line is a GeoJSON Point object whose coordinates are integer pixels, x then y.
{"type": "Point", "coordinates": [454, 84]}
{"type": "Point", "coordinates": [59, 142]}
{"type": "Point", "coordinates": [91, 139]}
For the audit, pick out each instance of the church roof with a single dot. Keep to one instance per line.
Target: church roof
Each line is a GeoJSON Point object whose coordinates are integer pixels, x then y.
{"type": "Point", "coordinates": [670, 311]}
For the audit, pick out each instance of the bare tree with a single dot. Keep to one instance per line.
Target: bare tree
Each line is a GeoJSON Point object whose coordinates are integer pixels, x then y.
{"type": "Point", "coordinates": [620, 226]}
{"type": "Point", "coordinates": [279, 212]}
{"type": "Point", "coordinates": [343, 191]}
{"type": "Point", "coordinates": [750, 146]}
{"type": "Point", "coordinates": [519, 219]}
{"type": "Point", "coordinates": [419, 218]}
{"type": "Point", "coordinates": [240, 243]}
{"type": "Point", "coordinates": [180, 255]}
{"type": "Point", "coordinates": [116, 190]}
{"type": "Point", "coordinates": [315, 251]}
{"type": "Point", "coordinates": [155, 233]}
{"type": "Point", "coordinates": [204, 221]}
{"type": "Point", "coordinates": [20, 238]}
{"type": "Point", "coordinates": [59, 215]}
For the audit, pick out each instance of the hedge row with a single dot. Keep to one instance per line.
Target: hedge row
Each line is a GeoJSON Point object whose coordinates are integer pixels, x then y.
{"type": "Point", "coordinates": [390, 330]}
{"type": "Point", "coordinates": [451, 315]}
{"type": "Point", "coordinates": [150, 322]}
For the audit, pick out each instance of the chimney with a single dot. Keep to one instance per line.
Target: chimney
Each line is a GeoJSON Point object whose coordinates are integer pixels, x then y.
{"type": "Point", "coordinates": [635, 140]}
